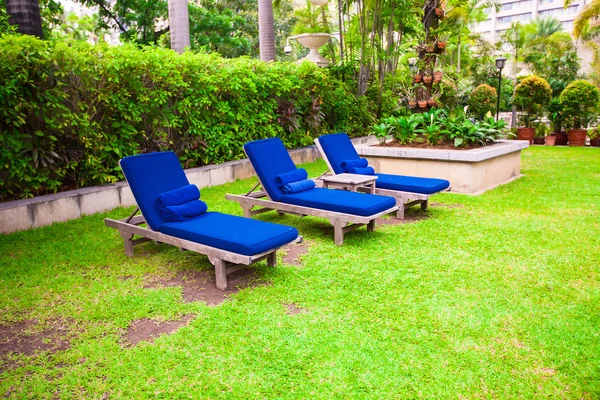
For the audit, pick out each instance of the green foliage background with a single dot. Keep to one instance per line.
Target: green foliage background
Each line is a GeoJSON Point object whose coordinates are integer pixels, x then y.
{"type": "Point", "coordinates": [69, 111]}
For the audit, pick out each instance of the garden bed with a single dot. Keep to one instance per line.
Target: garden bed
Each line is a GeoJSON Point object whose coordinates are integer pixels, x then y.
{"type": "Point", "coordinates": [470, 171]}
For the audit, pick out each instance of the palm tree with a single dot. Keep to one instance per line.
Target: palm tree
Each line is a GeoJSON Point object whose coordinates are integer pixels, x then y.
{"type": "Point", "coordinates": [25, 14]}
{"type": "Point", "coordinates": [266, 30]}
{"type": "Point", "coordinates": [179, 25]}
{"type": "Point", "coordinates": [588, 21]}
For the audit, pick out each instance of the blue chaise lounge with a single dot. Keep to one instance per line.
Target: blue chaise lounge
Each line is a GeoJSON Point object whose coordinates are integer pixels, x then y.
{"type": "Point", "coordinates": [346, 211]}
{"type": "Point", "coordinates": [229, 241]}
{"type": "Point", "coordinates": [337, 149]}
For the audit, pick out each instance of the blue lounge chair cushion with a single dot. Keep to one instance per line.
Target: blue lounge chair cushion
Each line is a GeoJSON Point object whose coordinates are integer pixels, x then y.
{"type": "Point", "coordinates": [297, 187]}
{"type": "Point", "coordinates": [341, 201]}
{"type": "Point", "coordinates": [231, 233]}
{"type": "Point", "coordinates": [178, 196]}
{"type": "Point", "coordinates": [270, 159]}
{"type": "Point", "coordinates": [148, 176]}
{"type": "Point", "coordinates": [411, 184]}
{"type": "Point", "coordinates": [348, 165]}
{"type": "Point", "coordinates": [297, 175]}
{"type": "Point", "coordinates": [184, 211]}
{"type": "Point", "coordinates": [338, 148]}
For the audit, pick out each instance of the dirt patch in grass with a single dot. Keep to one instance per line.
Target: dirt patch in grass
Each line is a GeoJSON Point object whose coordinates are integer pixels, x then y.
{"type": "Point", "coordinates": [200, 285]}
{"type": "Point", "coordinates": [293, 309]}
{"type": "Point", "coordinates": [450, 206]}
{"type": "Point", "coordinates": [409, 218]}
{"type": "Point", "coordinates": [146, 330]}
{"type": "Point", "coordinates": [19, 339]}
{"type": "Point", "coordinates": [293, 252]}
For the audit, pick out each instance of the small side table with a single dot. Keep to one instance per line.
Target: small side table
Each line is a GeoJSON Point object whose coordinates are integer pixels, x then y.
{"type": "Point", "coordinates": [349, 182]}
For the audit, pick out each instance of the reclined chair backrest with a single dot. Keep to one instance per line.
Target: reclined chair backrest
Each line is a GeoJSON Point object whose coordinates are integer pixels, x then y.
{"type": "Point", "coordinates": [148, 176]}
{"type": "Point", "coordinates": [270, 158]}
{"type": "Point", "coordinates": [338, 148]}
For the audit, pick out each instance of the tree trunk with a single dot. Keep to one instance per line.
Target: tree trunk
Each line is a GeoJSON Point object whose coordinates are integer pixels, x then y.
{"type": "Point", "coordinates": [179, 23]}
{"type": "Point", "coordinates": [25, 14]}
{"type": "Point", "coordinates": [458, 56]}
{"type": "Point", "coordinates": [266, 30]}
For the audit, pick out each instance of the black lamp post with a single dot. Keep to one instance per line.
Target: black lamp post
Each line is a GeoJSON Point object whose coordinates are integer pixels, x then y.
{"type": "Point", "coordinates": [500, 61]}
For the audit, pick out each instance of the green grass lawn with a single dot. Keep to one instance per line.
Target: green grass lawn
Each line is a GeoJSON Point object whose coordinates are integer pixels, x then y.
{"type": "Point", "coordinates": [495, 296]}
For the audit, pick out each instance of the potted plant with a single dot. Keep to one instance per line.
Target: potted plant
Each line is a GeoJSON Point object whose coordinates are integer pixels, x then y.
{"type": "Point", "coordinates": [557, 120]}
{"type": "Point", "coordinates": [532, 95]}
{"type": "Point", "coordinates": [427, 78]}
{"type": "Point", "coordinates": [312, 31]}
{"type": "Point", "coordinates": [541, 131]}
{"type": "Point", "coordinates": [412, 102]}
{"type": "Point", "coordinates": [594, 135]}
{"type": "Point", "coordinates": [437, 76]}
{"type": "Point", "coordinates": [580, 102]}
{"type": "Point", "coordinates": [430, 47]}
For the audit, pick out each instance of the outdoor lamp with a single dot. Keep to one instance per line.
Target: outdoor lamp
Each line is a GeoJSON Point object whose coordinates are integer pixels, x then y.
{"type": "Point", "coordinates": [500, 61]}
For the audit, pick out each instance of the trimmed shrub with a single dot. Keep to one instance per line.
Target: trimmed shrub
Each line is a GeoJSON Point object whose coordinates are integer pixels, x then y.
{"type": "Point", "coordinates": [532, 95]}
{"type": "Point", "coordinates": [580, 101]}
{"type": "Point", "coordinates": [482, 100]}
{"type": "Point", "coordinates": [70, 110]}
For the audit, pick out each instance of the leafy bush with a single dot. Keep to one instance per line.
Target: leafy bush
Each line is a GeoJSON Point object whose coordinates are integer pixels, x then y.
{"type": "Point", "coordinates": [439, 126]}
{"type": "Point", "coordinates": [580, 102]}
{"type": "Point", "coordinates": [532, 95]}
{"type": "Point", "coordinates": [482, 100]}
{"type": "Point", "coordinates": [70, 110]}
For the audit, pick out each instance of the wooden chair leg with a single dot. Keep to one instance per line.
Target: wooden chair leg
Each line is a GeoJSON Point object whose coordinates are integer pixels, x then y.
{"type": "Point", "coordinates": [272, 259]}
{"type": "Point", "coordinates": [220, 272]}
{"type": "Point", "coordinates": [338, 232]}
{"type": "Point", "coordinates": [247, 211]}
{"type": "Point", "coordinates": [424, 205]}
{"type": "Point", "coordinates": [128, 242]}
{"type": "Point", "coordinates": [371, 226]}
{"type": "Point", "coordinates": [400, 212]}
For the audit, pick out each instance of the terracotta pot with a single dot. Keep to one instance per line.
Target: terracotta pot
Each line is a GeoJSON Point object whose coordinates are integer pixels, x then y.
{"type": "Point", "coordinates": [417, 78]}
{"type": "Point", "coordinates": [429, 48]}
{"type": "Point", "coordinates": [550, 140]}
{"type": "Point", "coordinates": [423, 103]}
{"type": "Point", "coordinates": [427, 78]}
{"type": "Point", "coordinates": [438, 75]}
{"type": "Point", "coordinates": [441, 44]}
{"type": "Point", "coordinates": [561, 138]}
{"type": "Point", "coordinates": [439, 12]}
{"type": "Point", "coordinates": [595, 142]}
{"type": "Point", "coordinates": [431, 102]}
{"type": "Point", "coordinates": [526, 134]}
{"type": "Point", "coordinates": [436, 80]}
{"type": "Point", "coordinates": [539, 140]}
{"type": "Point", "coordinates": [412, 103]}
{"type": "Point", "coordinates": [577, 137]}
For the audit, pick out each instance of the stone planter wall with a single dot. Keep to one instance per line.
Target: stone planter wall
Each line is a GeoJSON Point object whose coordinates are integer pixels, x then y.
{"type": "Point", "coordinates": [469, 171]}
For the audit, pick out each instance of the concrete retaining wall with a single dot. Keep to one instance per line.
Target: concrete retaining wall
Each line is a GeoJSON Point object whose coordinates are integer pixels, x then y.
{"type": "Point", "coordinates": [44, 210]}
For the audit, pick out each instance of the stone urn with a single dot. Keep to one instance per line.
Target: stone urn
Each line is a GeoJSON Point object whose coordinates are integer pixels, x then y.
{"type": "Point", "coordinates": [312, 41]}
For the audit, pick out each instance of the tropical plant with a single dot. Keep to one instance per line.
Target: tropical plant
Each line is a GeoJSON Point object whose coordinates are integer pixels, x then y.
{"type": "Point", "coordinates": [580, 101]}
{"type": "Point", "coordinates": [482, 100]}
{"type": "Point", "coordinates": [311, 19]}
{"type": "Point", "coordinates": [404, 128]}
{"type": "Point", "coordinates": [381, 131]}
{"type": "Point", "coordinates": [556, 115]}
{"type": "Point", "coordinates": [532, 96]}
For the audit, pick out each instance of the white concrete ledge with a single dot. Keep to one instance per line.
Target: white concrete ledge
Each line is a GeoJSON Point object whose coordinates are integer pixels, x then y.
{"type": "Point", "coordinates": [44, 210]}
{"type": "Point", "coordinates": [474, 155]}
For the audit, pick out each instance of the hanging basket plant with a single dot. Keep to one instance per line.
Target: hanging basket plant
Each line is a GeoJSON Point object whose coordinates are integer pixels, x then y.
{"type": "Point", "coordinates": [417, 78]}
{"type": "Point", "coordinates": [440, 12]}
{"type": "Point", "coordinates": [427, 79]}
{"type": "Point", "coordinates": [412, 103]}
{"type": "Point", "coordinates": [423, 103]}
{"type": "Point", "coordinates": [437, 76]}
{"type": "Point", "coordinates": [430, 47]}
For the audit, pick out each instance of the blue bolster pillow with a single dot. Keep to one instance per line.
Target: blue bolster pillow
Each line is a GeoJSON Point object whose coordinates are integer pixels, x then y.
{"type": "Point", "coordinates": [178, 196]}
{"type": "Point", "coordinates": [184, 211]}
{"type": "Point", "coordinates": [299, 174]}
{"type": "Point", "coordinates": [357, 163]}
{"type": "Point", "coordinates": [363, 171]}
{"type": "Point", "coordinates": [297, 187]}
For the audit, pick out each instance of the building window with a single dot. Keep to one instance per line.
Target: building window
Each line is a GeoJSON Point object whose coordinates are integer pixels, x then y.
{"type": "Point", "coordinates": [514, 18]}
{"type": "Point", "coordinates": [557, 12]}
{"type": "Point", "coordinates": [567, 25]}
{"type": "Point", "coordinates": [516, 5]}
{"type": "Point", "coordinates": [544, 2]}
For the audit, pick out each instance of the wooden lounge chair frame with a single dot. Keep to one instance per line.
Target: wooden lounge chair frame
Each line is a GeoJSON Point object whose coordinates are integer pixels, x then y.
{"type": "Point", "coordinates": [342, 223]}
{"type": "Point", "coordinates": [225, 262]}
{"type": "Point", "coordinates": [404, 200]}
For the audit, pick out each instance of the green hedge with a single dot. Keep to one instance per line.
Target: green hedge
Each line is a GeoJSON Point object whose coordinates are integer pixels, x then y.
{"type": "Point", "coordinates": [70, 111]}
